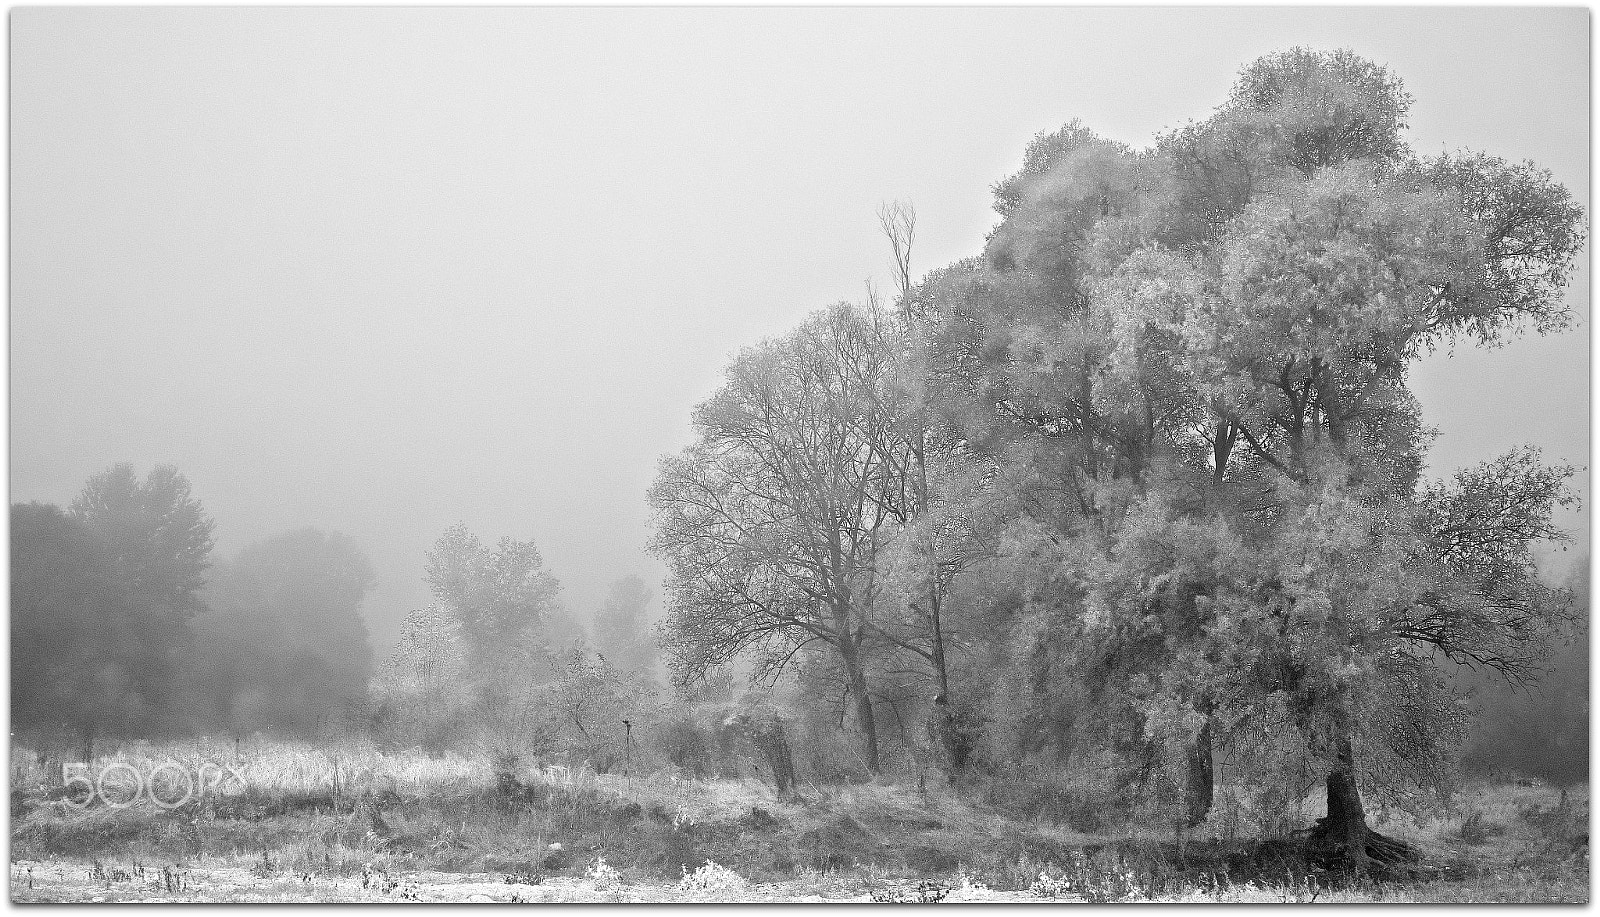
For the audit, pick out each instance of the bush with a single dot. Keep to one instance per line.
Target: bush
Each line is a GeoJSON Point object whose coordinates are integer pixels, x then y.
{"type": "Point", "coordinates": [827, 754]}
{"type": "Point", "coordinates": [435, 716]}
{"type": "Point", "coordinates": [711, 878]}
{"type": "Point", "coordinates": [1078, 796]}
{"type": "Point", "coordinates": [686, 745]}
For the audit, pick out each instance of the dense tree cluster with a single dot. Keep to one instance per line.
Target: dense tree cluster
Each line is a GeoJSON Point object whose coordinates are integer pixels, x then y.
{"type": "Point", "coordinates": [122, 625]}
{"type": "Point", "coordinates": [283, 645]}
{"type": "Point", "coordinates": [1143, 479]}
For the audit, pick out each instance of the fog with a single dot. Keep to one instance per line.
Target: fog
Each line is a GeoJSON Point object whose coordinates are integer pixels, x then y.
{"type": "Point", "coordinates": [379, 271]}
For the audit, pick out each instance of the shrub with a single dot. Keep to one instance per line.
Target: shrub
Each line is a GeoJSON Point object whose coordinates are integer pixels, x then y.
{"type": "Point", "coordinates": [601, 874]}
{"type": "Point", "coordinates": [686, 745]}
{"type": "Point", "coordinates": [1047, 887]}
{"type": "Point", "coordinates": [711, 878]}
{"type": "Point", "coordinates": [1078, 796]}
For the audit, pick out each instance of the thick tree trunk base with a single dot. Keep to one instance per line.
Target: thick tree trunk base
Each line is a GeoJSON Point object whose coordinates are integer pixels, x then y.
{"type": "Point", "coordinates": [1338, 846]}
{"type": "Point", "coordinates": [1341, 841]}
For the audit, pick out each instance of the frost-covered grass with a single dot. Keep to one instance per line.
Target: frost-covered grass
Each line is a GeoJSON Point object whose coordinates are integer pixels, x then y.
{"type": "Point", "coordinates": [351, 822]}
{"type": "Point", "coordinates": [73, 882]}
{"type": "Point", "coordinates": [287, 768]}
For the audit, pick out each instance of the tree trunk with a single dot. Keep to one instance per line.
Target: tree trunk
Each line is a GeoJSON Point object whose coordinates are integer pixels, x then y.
{"type": "Point", "coordinates": [1201, 776]}
{"type": "Point", "coordinates": [1342, 836]}
{"type": "Point", "coordinates": [940, 670]}
{"type": "Point", "coordinates": [850, 650]}
{"type": "Point", "coordinates": [1221, 448]}
{"type": "Point", "coordinates": [1332, 412]}
{"type": "Point", "coordinates": [1346, 821]}
{"type": "Point", "coordinates": [955, 753]}
{"type": "Point", "coordinates": [947, 732]}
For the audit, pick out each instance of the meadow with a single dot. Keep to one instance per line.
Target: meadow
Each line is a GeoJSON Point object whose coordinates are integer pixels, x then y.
{"type": "Point", "coordinates": [300, 821]}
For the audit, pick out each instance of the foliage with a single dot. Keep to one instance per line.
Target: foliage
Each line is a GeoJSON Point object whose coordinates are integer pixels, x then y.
{"type": "Point", "coordinates": [431, 649]}
{"type": "Point", "coordinates": [621, 632]}
{"type": "Point", "coordinates": [592, 709]}
{"type": "Point", "coordinates": [102, 599]}
{"type": "Point", "coordinates": [1189, 366]}
{"type": "Point", "coordinates": [159, 536]}
{"type": "Point", "coordinates": [711, 878]}
{"type": "Point", "coordinates": [770, 522]}
{"type": "Point", "coordinates": [501, 597]}
{"type": "Point", "coordinates": [71, 629]}
{"type": "Point", "coordinates": [283, 644]}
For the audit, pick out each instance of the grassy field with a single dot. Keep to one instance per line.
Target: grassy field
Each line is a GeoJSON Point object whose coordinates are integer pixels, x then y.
{"type": "Point", "coordinates": [298, 822]}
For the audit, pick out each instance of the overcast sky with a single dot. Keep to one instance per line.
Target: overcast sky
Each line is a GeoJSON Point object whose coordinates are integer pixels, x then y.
{"type": "Point", "coordinates": [381, 270]}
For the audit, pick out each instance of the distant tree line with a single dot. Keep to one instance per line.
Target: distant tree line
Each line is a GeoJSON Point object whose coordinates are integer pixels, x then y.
{"type": "Point", "coordinates": [1137, 490]}
{"type": "Point", "coordinates": [123, 624]}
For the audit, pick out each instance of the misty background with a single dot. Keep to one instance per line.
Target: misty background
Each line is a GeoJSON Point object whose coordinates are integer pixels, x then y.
{"type": "Point", "coordinates": [379, 271]}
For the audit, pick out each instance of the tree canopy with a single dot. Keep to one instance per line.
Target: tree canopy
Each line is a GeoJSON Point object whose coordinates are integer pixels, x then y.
{"type": "Point", "coordinates": [102, 598]}
{"type": "Point", "coordinates": [283, 644]}
{"type": "Point", "coordinates": [1172, 392]}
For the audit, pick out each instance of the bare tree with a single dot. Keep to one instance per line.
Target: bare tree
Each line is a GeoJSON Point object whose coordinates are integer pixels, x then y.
{"type": "Point", "coordinates": [898, 221]}
{"type": "Point", "coordinates": [771, 521]}
{"type": "Point", "coordinates": [943, 508]}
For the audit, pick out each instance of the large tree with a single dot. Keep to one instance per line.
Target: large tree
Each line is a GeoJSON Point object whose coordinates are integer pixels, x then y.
{"type": "Point", "coordinates": [71, 630]}
{"type": "Point", "coordinates": [1195, 359]}
{"type": "Point", "coordinates": [772, 520]}
{"type": "Point", "coordinates": [944, 506]}
{"type": "Point", "coordinates": [102, 598]}
{"type": "Point", "coordinates": [1296, 325]}
{"type": "Point", "coordinates": [158, 534]}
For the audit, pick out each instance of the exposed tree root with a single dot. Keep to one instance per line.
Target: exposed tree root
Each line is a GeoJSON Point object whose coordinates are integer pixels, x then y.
{"type": "Point", "coordinates": [1337, 846]}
